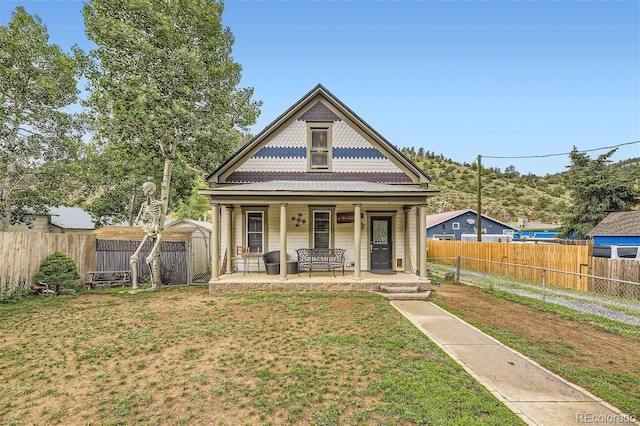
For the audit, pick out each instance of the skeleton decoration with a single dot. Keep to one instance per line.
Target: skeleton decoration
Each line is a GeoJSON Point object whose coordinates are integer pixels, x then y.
{"type": "Point", "coordinates": [150, 213]}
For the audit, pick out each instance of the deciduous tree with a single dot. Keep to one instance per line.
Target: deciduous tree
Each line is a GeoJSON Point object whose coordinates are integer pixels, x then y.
{"type": "Point", "coordinates": [163, 82]}
{"type": "Point", "coordinates": [39, 136]}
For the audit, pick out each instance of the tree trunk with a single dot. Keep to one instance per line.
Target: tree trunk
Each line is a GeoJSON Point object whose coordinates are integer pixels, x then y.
{"type": "Point", "coordinates": [164, 200]}
{"type": "Point", "coordinates": [5, 208]}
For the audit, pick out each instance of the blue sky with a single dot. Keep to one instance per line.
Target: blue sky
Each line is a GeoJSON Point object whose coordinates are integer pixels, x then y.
{"type": "Point", "coordinates": [511, 78]}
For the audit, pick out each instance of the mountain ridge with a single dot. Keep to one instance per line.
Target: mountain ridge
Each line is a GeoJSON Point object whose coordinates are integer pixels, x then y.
{"type": "Point", "coordinates": [505, 196]}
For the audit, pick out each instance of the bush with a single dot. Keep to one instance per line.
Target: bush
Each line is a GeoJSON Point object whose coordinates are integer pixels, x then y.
{"type": "Point", "coordinates": [13, 292]}
{"type": "Point", "coordinates": [59, 271]}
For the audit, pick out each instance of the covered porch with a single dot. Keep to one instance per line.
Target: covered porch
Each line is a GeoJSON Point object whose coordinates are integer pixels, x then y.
{"type": "Point", "coordinates": [376, 224]}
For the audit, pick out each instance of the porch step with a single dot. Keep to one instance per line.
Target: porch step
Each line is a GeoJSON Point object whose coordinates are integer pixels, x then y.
{"type": "Point", "coordinates": [389, 289]}
{"type": "Point", "coordinates": [423, 295]}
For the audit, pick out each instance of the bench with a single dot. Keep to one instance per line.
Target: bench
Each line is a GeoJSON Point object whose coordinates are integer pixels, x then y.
{"type": "Point", "coordinates": [99, 279]}
{"type": "Point", "coordinates": [320, 258]}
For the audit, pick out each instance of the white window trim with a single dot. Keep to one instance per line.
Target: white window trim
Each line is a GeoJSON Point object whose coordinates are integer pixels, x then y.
{"type": "Point", "coordinates": [329, 128]}
{"type": "Point", "coordinates": [263, 213]}
{"type": "Point", "coordinates": [312, 228]}
{"type": "Point", "coordinates": [455, 225]}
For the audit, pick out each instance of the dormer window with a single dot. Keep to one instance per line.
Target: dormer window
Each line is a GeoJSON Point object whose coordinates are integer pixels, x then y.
{"type": "Point", "coordinates": [319, 147]}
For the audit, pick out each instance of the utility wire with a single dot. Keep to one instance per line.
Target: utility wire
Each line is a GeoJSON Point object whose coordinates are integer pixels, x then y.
{"type": "Point", "coordinates": [564, 153]}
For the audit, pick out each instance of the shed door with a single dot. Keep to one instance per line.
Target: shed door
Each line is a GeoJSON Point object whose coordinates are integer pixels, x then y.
{"type": "Point", "coordinates": [381, 243]}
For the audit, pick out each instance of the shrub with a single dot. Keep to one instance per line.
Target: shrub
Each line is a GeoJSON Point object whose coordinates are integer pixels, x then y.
{"type": "Point", "coordinates": [13, 292]}
{"type": "Point", "coordinates": [59, 271]}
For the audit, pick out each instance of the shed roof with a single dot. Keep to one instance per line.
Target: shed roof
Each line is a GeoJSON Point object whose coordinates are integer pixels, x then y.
{"type": "Point", "coordinates": [189, 223]}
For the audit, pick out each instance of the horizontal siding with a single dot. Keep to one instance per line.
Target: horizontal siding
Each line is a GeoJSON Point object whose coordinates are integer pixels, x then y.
{"type": "Point", "coordinates": [299, 236]}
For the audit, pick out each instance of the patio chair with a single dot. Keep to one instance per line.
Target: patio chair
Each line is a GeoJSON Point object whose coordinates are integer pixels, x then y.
{"type": "Point", "coordinates": [272, 262]}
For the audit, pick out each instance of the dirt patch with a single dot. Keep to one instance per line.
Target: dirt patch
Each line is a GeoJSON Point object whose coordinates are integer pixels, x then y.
{"type": "Point", "coordinates": [577, 345]}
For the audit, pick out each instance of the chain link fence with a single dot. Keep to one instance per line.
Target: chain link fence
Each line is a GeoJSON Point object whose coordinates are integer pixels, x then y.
{"type": "Point", "coordinates": [609, 304]}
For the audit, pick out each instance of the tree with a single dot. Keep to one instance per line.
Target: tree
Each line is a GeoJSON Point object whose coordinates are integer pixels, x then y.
{"type": "Point", "coordinates": [38, 138]}
{"type": "Point", "coordinates": [511, 171]}
{"type": "Point", "coordinates": [597, 188]}
{"type": "Point", "coordinates": [194, 208]}
{"type": "Point", "coordinates": [163, 84]}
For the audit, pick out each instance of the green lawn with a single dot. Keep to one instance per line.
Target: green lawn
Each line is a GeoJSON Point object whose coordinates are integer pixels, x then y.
{"type": "Point", "coordinates": [182, 356]}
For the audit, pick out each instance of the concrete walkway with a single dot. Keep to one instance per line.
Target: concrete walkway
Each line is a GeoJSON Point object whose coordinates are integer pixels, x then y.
{"type": "Point", "coordinates": [536, 395]}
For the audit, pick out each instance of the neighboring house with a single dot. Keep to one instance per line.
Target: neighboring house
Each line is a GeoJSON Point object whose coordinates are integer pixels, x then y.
{"type": "Point", "coordinates": [537, 231]}
{"type": "Point", "coordinates": [59, 220]}
{"type": "Point", "coordinates": [320, 177]}
{"type": "Point", "coordinates": [461, 225]}
{"type": "Point", "coordinates": [71, 219]}
{"type": "Point", "coordinates": [618, 228]}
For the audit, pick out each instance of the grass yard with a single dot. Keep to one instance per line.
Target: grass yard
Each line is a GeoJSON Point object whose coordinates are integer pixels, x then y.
{"type": "Point", "coordinates": [579, 349]}
{"type": "Point", "coordinates": [180, 356]}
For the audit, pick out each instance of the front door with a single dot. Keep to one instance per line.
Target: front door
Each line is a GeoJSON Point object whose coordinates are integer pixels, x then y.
{"type": "Point", "coordinates": [380, 243]}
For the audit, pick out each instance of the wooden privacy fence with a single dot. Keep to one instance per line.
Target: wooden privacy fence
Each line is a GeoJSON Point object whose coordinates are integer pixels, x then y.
{"type": "Point", "coordinates": [22, 253]}
{"type": "Point", "coordinates": [516, 260]}
{"type": "Point", "coordinates": [507, 259]}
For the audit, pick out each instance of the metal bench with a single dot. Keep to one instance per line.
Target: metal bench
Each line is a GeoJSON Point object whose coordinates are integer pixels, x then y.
{"type": "Point", "coordinates": [320, 258]}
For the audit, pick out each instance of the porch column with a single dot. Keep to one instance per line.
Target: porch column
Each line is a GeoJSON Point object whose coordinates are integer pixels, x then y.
{"type": "Point", "coordinates": [283, 241]}
{"type": "Point", "coordinates": [230, 249]}
{"type": "Point", "coordinates": [215, 243]}
{"type": "Point", "coordinates": [407, 239]}
{"type": "Point", "coordinates": [356, 242]}
{"type": "Point", "coordinates": [422, 241]}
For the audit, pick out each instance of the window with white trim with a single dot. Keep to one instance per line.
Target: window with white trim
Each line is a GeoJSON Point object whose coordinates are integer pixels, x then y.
{"type": "Point", "coordinates": [455, 225]}
{"type": "Point", "coordinates": [321, 229]}
{"type": "Point", "coordinates": [319, 147]}
{"type": "Point", "coordinates": [255, 231]}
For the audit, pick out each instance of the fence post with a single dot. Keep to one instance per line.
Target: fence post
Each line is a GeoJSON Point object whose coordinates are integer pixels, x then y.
{"type": "Point", "coordinates": [544, 287]}
{"type": "Point", "coordinates": [458, 261]}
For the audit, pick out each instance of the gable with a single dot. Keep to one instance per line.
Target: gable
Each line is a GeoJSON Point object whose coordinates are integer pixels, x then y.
{"type": "Point", "coordinates": [282, 151]}
{"type": "Point", "coordinates": [461, 217]}
{"type": "Point", "coordinates": [284, 157]}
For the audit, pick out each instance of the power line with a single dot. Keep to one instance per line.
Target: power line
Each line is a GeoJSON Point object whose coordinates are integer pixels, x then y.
{"type": "Point", "coordinates": [564, 153]}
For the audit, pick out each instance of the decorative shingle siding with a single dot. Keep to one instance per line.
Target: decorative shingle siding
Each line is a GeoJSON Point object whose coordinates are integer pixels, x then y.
{"type": "Point", "coordinates": [319, 113]}
{"type": "Point", "coordinates": [249, 177]}
{"type": "Point", "coordinates": [284, 157]}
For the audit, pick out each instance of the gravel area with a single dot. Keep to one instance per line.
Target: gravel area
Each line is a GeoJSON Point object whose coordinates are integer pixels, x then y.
{"type": "Point", "coordinates": [586, 303]}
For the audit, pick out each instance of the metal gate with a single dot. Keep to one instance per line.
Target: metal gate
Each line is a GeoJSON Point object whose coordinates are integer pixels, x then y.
{"type": "Point", "coordinates": [114, 255]}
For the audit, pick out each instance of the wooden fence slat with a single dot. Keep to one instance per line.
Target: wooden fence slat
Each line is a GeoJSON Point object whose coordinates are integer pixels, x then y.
{"type": "Point", "coordinates": [491, 255]}
{"type": "Point", "coordinates": [22, 253]}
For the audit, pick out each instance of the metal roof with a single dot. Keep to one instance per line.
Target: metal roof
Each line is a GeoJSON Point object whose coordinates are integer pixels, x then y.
{"type": "Point", "coordinates": [320, 186]}
{"type": "Point", "coordinates": [70, 218]}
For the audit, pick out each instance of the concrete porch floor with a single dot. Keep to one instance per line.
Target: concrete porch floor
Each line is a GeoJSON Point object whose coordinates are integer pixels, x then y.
{"type": "Point", "coordinates": [318, 281]}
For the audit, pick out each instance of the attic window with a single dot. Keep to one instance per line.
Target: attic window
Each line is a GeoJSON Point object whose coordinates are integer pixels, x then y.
{"type": "Point", "coordinates": [319, 148]}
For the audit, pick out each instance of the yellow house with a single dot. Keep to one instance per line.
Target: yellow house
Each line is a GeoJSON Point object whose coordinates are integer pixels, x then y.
{"type": "Point", "coordinates": [319, 177]}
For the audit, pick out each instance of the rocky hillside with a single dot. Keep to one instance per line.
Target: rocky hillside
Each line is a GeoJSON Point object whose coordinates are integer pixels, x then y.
{"type": "Point", "coordinates": [506, 196]}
